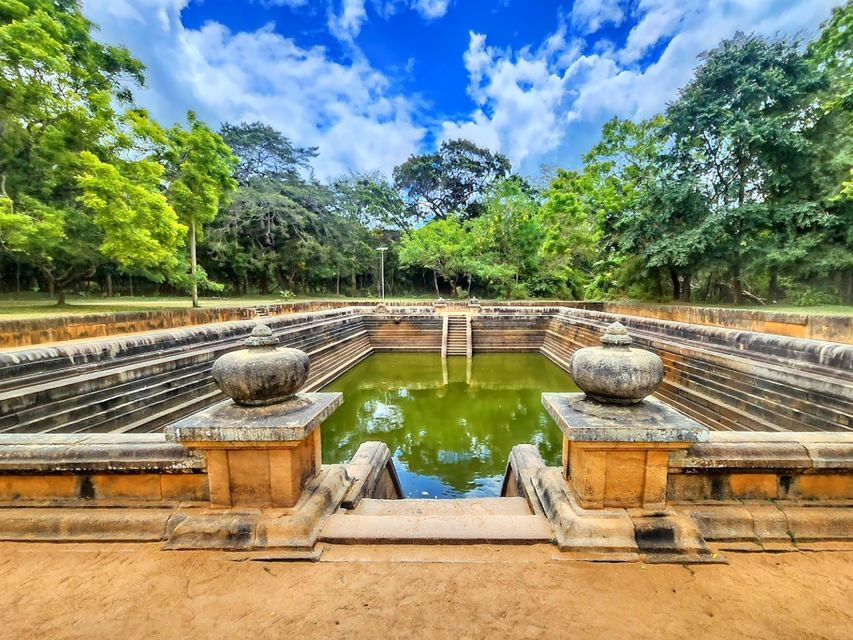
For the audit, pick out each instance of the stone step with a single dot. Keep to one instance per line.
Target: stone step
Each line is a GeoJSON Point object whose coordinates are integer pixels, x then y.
{"type": "Point", "coordinates": [439, 529]}
{"type": "Point", "coordinates": [48, 415]}
{"type": "Point", "coordinates": [118, 417]}
{"type": "Point", "coordinates": [170, 414]}
{"type": "Point", "coordinates": [456, 507]}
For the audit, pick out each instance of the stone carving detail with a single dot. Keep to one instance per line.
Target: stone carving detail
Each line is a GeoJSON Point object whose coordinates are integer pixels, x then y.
{"type": "Point", "coordinates": [614, 373]}
{"type": "Point", "coordinates": [262, 374]}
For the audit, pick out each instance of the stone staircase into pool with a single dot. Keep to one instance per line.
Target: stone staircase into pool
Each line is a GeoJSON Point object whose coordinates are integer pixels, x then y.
{"type": "Point", "coordinates": [414, 521]}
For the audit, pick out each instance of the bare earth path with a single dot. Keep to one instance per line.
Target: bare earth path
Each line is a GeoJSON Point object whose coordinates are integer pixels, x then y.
{"type": "Point", "coordinates": [138, 591]}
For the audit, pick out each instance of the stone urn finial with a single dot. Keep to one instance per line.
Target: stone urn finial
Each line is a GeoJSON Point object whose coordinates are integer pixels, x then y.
{"type": "Point", "coordinates": [262, 373]}
{"type": "Point", "coordinates": [614, 373]}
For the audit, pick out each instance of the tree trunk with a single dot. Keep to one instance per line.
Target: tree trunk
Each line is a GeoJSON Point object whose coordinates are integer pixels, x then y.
{"type": "Point", "coordinates": [196, 305]}
{"type": "Point", "coordinates": [658, 286]}
{"type": "Point", "coordinates": [60, 295]}
{"type": "Point", "coordinates": [17, 276]}
{"type": "Point", "coordinates": [435, 282]}
{"type": "Point", "coordinates": [246, 284]}
{"type": "Point", "coordinates": [676, 284]}
{"type": "Point", "coordinates": [708, 287]}
{"type": "Point", "coordinates": [737, 285]}
{"type": "Point", "coordinates": [338, 283]}
{"type": "Point", "coordinates": [109, 286]}
{"type": "Point", "coordinates": [685, 287]}
{"type": "Point", "coordinates": [130, 283]}
{"type": "Point", "coordinates": [846, 288]}
{"type": "Point", "coordinates": [773, 287]}
{"type": "Point", "coordinates": [353, 285]}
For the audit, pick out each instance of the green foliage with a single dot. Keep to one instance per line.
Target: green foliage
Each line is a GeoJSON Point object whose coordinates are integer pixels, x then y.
{"type": "Point", "coordinates": [263, 152]}
{"type": "Point", "coordinates": [742, 189]}
{"type": "Point", "coordinates": [140, 229]}
{"type": "Point", "coordinates": [61, 138]}
{"type": "Point", "coordinates": [441, 246]}
{"type": "Point", "coordinates": [454, 179]}
{"type": "Point", "coordinates": [199, 170]}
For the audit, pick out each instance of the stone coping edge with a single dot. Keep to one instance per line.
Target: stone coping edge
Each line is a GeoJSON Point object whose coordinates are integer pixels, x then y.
{"type": "Point", "coordinates": [650, 421]}
{"type": "Point", "coordinates": [227, 422]}
{"type": "Point", "coordinates": [76, 453]}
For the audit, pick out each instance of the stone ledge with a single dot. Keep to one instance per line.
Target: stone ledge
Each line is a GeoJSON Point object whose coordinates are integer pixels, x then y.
{"type": "Point", "coordinates": [366, 468]}
{"type": "Point", "coordinates": [763, 523]}
{"type": "Point", "coordinates": [75, 453]}
{"type": "Point", "coordinates": [791, 451]}
{"type": "Point", "coordinates": [84, 524]}
{"type": "Point", "coordinates": [230, 424]}
{"type": "Point", "coordinates": [651, 421]}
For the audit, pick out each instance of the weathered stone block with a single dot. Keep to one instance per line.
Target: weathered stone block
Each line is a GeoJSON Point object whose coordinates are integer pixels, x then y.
{"type": "Point", "coordinates": [753, 486]}
{"type": "Point", "coordinates": [43, 487]}
{"type": "Point", "coordinates": [137, 486]}
{"type": "Point", "coordinates": [830, 486]}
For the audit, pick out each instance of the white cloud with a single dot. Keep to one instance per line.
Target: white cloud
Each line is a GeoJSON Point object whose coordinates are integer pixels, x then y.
{"type": "Point", "coordinates": [347, 17]}
{"type": "Point", "coordinates": [431, 9]}
{"type": "Point", "coordinates": [588, 16]}
{"type": "Point", "coordinates": [540, 104]}
{"type": "Point", "coordinates": [349, 110]}
{"type": "Point", "coordinates": [346, 25]}
{"type": "Point", "coordinates": [519, 97]}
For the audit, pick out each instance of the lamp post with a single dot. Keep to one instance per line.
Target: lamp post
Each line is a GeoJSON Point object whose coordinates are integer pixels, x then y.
{"type": "Point", "coordinates": [382, 251]}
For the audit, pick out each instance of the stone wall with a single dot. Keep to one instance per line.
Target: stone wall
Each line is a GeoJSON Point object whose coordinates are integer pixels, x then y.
{"type": "Point", "coordinates": [141, 383]}
{"type": "Point", "coordinates": [730, 380]}
{"type": "Point", "coordinates": [100, 469]}
{"type": "Point", "coordinates": [764, 466]}
{"type": "Point", "coordinates": [19, 333]}
{"type": "Point", "coordinates": [793, 325]}
{"type": "Point", "coordinates": [519, 329]}
{"type": "Point", "coordinates": [404, 331]}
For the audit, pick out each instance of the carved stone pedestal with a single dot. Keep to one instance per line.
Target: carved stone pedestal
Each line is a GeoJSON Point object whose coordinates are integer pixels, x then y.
{"type": "Point", "coordinates": [618, 455]}
{"type": "Point", "coordinates": [258, 456]}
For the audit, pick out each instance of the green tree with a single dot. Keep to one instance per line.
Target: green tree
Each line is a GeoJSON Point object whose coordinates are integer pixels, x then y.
{"type": "Point", "coordinates": [440, 245]}
{"type": "Point", "coordinates": [264, 153]}
{"type": "Point", "coordinates": [66, 186]}
{"type": "Point", "coordinates": [738, 129]}
{"type": "Point", "coordinates": [570, 220]}
{"type": "Point", "coordinates": [199, 170]}
{"type": "Point", "coordinates": [454, 179]}
{"type": "Point", "coordinates": [507, 240]}
{"type": "Point", "coordinates": [827, 251]}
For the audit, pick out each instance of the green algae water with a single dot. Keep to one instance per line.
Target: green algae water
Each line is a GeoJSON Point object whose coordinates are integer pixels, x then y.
{"type": "Point", "coordinates": [449, 424]}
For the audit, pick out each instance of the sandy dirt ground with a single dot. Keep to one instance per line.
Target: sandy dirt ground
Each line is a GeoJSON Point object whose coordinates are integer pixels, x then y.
{"type": "Point", "coordinates": [138, 591]}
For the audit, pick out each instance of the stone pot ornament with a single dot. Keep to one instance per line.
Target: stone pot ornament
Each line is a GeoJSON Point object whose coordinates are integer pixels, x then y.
{"type": "Point", "coordinates": [614, 373]}
{"type": "Point", "coordinates": [261, 374]}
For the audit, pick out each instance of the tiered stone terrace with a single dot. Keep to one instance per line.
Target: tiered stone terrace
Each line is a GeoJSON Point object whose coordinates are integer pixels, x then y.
{"type": "Point", "coordinates": [81, 425]}
{"type": "Point", "coordinates": [727, 379]}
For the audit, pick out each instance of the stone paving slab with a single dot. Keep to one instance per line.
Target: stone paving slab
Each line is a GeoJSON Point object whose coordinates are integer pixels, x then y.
{"type": "Point", "coordinates": [350, 528]}
{"type": "Point", "coordinates": [459, 507]}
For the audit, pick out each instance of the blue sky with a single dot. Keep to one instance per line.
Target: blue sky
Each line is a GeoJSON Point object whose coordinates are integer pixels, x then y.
{"type": "Point", "coordinates": [372, 81]}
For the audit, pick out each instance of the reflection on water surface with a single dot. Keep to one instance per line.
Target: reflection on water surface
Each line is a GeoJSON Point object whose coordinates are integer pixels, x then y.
{"type": "Point", "coordinates": [449, 426]}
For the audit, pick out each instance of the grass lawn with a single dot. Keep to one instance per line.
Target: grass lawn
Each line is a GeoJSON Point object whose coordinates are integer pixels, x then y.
{"type": "Point", "coordinates": [818, 309]}
{"type": "Point", "coordinates": [30, 305]}
{"type": "Point", "coordinates": [33, 305]}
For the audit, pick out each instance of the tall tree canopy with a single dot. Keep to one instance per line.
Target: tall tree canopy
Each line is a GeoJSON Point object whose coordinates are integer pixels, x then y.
{"type": "Point", "coordinates": [264, 153]}
{"type": "Point", "coordinates": [454, 179]}
{"type": "Point", "coordinates": [68, 190]}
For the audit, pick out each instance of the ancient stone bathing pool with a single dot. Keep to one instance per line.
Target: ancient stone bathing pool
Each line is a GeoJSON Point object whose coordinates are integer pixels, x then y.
{"type": "Point", "coordinates": [746, 441]}
{"type": "Point", "coordinates": [449, 423]}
